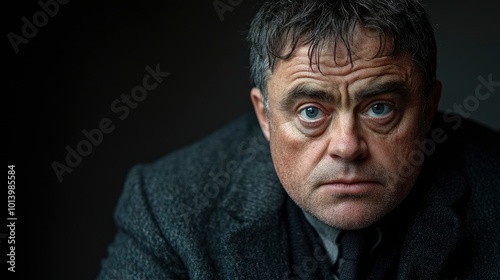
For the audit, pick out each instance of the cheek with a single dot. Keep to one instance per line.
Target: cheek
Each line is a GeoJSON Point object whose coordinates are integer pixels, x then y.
{"type": "Point", "coordinates": [294, 156]}
{"type": "Point", "coordinates": [399, 155]}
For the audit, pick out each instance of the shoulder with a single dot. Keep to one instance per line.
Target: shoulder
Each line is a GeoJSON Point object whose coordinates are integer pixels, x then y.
{"type": "Point", "coordinates": [477, 148]}
{"type": "Point", "coordinates": [462, 170]}
{"type": "Point", "coordinates": [193, 187]}
{"type": "Point", "coordinates": [473, 150]}
{"type": "Point", "coordinates": [184, 208]}
{"type": "Point", "coordinates": [461, 152]}
{"type": "Point", "coordinates": [473, 145]}
{"type": "Point", "coordinates": [460, 187]}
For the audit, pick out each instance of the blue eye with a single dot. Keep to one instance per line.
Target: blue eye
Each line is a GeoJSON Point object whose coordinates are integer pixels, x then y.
{"type": "Point", "coordinates": [379, 110]}
{"type": "Point", "coordinates": [311, 113]}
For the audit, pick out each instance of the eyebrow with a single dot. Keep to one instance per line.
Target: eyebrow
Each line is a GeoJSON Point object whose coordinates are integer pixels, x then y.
{"type": "Point", "coordinates": [302, 91]}
{"type": "Point", "coordinates": [396, 87]}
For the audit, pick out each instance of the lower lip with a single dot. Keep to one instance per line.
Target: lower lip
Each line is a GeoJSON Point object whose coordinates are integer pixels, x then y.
{"type": "Point", "coordinates": [354, 189]}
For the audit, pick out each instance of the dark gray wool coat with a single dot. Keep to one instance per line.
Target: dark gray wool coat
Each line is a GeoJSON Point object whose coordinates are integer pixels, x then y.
{"type": "Point", "coordinates": [214, 210]}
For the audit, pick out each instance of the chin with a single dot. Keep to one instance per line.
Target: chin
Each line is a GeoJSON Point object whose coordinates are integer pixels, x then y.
{"type": "Point", "coordinates": [351, 215]}
{"type": "Point", "coordinates": [351, 224]}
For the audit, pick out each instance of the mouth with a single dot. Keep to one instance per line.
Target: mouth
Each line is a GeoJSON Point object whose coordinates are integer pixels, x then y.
{"type": "Point", "coordinates": [350, 188]}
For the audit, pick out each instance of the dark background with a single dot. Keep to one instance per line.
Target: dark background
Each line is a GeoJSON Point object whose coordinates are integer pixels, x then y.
{"type": "Point", "coordinates": [66, 77]}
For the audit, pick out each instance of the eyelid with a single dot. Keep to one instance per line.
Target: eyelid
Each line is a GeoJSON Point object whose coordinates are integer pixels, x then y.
{"type": "Point", "coordinates": [378, 101]}
{"type": "Point", "coordinates": [305, 105]}
{"type": "Point", "coordinates": [313, 124]}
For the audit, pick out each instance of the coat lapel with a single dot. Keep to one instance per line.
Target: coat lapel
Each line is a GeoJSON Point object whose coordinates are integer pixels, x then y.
{"type": "Point", "coordinates": [436, 228]}
{"type": "Point", "coordinates": [255, 246]}
{"type": "Point", "coordinates": [427, 249]}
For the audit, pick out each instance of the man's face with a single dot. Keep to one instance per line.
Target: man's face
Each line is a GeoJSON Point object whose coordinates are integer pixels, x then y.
{"type": "Point", "coordinates": [339, 137]}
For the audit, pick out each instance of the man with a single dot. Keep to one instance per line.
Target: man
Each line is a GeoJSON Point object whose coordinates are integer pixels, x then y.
{"type": "Point", "coordinates": [347, 171]}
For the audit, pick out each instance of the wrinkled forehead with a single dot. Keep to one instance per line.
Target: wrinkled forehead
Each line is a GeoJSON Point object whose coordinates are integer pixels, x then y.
{"type": "Point", "coordinates": [367, 56]}
{"type": "Point", "coordinates": [362, 44]}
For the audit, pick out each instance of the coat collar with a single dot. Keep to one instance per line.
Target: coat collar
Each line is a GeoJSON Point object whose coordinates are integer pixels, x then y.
{"type": "Point", "coordinates": [437, 227]}
{"type": "Point", "coordinates": [255, 246]}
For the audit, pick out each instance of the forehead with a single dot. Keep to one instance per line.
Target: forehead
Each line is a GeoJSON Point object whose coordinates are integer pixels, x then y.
{"type": "Point", "coordinates": [369, 55]}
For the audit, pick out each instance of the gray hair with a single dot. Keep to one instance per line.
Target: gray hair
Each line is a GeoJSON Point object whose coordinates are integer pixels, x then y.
{"type": "Point", "coordinates": [280, 25]}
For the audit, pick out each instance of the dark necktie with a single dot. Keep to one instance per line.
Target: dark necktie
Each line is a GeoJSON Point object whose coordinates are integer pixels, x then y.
{"type": "Point", "coordinates": [355, 248]}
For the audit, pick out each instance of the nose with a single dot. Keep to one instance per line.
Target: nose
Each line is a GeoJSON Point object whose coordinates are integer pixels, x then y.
{"type": "Point", "coordinates": [346, 140]}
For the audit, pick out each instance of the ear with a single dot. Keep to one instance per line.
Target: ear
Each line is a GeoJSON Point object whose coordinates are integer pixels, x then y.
{"type": "Point", "coordinates": [433, 104]}
{"type": "Point", "coordinates": [260, 110]}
